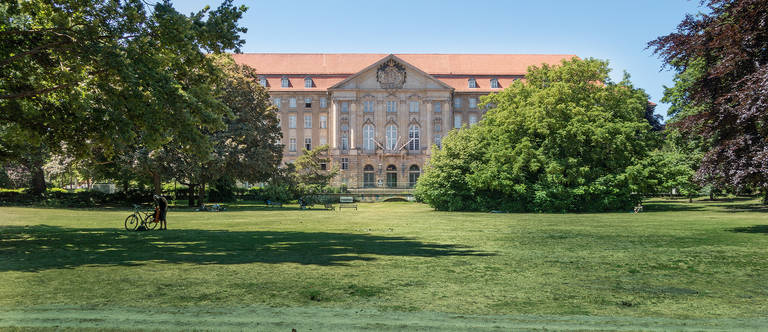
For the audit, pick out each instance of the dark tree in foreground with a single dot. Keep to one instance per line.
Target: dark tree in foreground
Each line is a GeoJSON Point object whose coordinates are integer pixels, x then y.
{"type": "Point", "coordinates": [729, 46]}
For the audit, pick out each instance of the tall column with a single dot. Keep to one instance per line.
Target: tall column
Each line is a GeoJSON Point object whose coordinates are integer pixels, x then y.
{"type": "Point", "coordinates": [427, 126]}
{"type": "Point", "coordinates": [334, 125]}
{"type": "Point", "coordinates": [353, 114]}
{"type": "Point", "coordinates": [447, 116]}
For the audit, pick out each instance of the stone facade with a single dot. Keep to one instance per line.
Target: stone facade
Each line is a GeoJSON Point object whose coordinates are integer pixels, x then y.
{"type": "Point", "coordinates": [382, 121]}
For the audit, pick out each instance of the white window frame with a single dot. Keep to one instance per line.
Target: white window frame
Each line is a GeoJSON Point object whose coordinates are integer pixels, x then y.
{"type": "Point", "coordinates": [323, 102]}
{"type": "Point", "coordinates": [285, 82]}
{"type": "Point", "coordinates": [391, 137]}
{"type": "Point", "coordinates": [472, 102]}
{"type": "Point", "coordinates": [344, 163]}
{"type": "Point", "coordinates": [368, 133]}
{"type": "Point", "coordinates": [413, 107]}
{"type": "Point", "coordinates": [263, 81]}
{"type": "Point", "coordinates": [495, 83]}
{"type": "Point", "coordinates": [308, 121]}
{"type": "Point", "coordinates": [292, 102]}
{"type": "Point", "coordinates": [292, 144]}
{"type": "Point", "coordinates": [457, 121]}
{"type": "Point", "coordinates": [323, 121]}
{"type": "Point", "coordinates": [345, 141]}
{"type": "Point", "coordinates": [344, 107]}
{"type": "Point", "coordinates": [472, 83]}
{"type": "Point", "coordinates": [391, 106]}
{"type": "Point", "coordinates": [457, 102]}
{"type": "Point", "coordinates": [308, 102]}
{"type": "Point", "coordinates": [437, 107]}
{"type": "Point", "coordinates": [291, 121]}
{"type": "Point", "coordinates": [414, 135]}
{"type": "Point", "coordinates": [308, 83]}
{"type": "Point", "coordinates": [368, 106]}
{"type": "Point", "coordinates": [438, 140]}
{"type": "Point", "coordinates": [277, 102]}
{"type": "Point", "coordinates": [472, 119]}
{"type": "Point", "coordinates": [308, 143]}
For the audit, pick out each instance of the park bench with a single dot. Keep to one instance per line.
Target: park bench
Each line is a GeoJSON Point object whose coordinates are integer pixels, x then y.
{"type": "Point", "coordinates": [347, 202]}
{"type": "Point", "coordinates": [274, 204]}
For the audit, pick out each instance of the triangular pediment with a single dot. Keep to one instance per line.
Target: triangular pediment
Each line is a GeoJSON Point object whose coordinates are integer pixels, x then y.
{"type": "Point", "coordinates": [391, 73]}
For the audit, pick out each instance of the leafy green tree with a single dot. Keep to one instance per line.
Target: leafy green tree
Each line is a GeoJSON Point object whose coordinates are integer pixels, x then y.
{"type": "Point", "coordinates": [244, 149]}
{"type": "Point", "coordinates": [311, 176]}
{"type": "Point", "coordinates": [113, 74]}
{"type": "Point", "coordinates": [560, 141]}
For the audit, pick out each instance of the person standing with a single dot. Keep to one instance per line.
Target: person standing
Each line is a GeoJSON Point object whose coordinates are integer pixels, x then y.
{"type": "Point", "coordinates": [162, 203]}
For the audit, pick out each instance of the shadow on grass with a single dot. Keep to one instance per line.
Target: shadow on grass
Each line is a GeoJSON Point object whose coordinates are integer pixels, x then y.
{"type": "Point", "coordinates": [663, 206]}
{"type": "Point", "coordinates": [751, 229]}
{"type": "Point", "coordinates": [49, 247]}
{"type": "Point", "coordinates": [748, 207]}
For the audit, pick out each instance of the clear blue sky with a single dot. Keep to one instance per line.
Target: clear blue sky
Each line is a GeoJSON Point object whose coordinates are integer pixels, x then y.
{"type": "Point", "coordinates": [615, 30]}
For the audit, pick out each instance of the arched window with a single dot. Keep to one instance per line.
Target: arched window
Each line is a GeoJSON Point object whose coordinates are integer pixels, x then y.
{"type": "Point", "coordinates": [413, 134]}
{"type": "Point", "coordinates": [391, 137]}
{"type": "Point", "coordinates": [392, 176]}
{"type": "Point", "coordinates": [472, 83]}
{"type": "Point", "coordinates": [284, 83]}
{"type": "Point", "coordinates": [368, 144]}
{"type": "Point", "coordinates": [308, 82]}
{"type": "Point", "coordinates": [368, 177]}
{"type": "Point", "coordinates": [495, 83]}
{"type": "Point", "coordinates": [413, 175]}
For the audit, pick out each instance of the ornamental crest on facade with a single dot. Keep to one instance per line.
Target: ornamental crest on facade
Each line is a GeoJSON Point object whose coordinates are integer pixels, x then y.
{"type": "Point", "coordinates": [391, 75]}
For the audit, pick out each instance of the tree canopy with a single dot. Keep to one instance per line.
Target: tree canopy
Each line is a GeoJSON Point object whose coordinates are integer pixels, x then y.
{"type": "Point", "coordinates": [566, 139]}
{"type": "Point", "coordinates": [721, 91]}
{"type": "Point", "coordinates": [109, 73]}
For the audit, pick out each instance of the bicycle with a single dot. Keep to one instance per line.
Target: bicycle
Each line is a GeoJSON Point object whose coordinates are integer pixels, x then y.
{"type": "Point", "coordinates": [145, 218]}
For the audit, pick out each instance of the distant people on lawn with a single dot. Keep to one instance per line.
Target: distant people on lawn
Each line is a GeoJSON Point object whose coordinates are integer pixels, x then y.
{"type": "Point", "coordinates": [162, 204]}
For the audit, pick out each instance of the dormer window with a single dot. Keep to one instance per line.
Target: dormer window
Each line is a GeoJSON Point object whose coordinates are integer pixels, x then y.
{"type": "Point", "coordinates": [263, 81]}
{"type": "Point", "coordinates": [308, 82]}
{"type": "Point", "coordinates": [472, 83]}
{"type": "Point", "coordinates": [285, 83]}
{"type": "Point", "coordinates": [495, 84]}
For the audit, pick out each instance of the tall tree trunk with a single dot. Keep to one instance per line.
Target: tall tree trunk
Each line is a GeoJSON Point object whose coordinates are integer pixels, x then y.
{"type": "Point", "coordinates": [201, 197]}
{"type": "Point", "coordinates": [156, 183]}
{"type": "Point", "coordinates": [191, 194]}
{"type": "Point", "coordinates": [37, 185]}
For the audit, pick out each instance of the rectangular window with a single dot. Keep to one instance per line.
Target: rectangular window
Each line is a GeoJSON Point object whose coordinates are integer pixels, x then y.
{"type": "Point", "coordinates": [323, 166]}
{"type": "Point", "coordinates": [472, 102]}
{"type": "Point", "coordinates": [344, 163]}
{"type": "Point", "coordinates": [323, 102]}
{"type": "Point", "coordinates": [391, 106]}
{"type": "Point", "coordinates": [284, 83]}
{"type": "Point", "coordinates": [307, 121]}
{"type": "Point", "coordinates": [323, 141]}
{"type": "Point", "coordinates": [438, 107]}
{"type": "Point", "coordinates": [308, 143]}
{"type": "Point", "coordinates": [277, 102]}
{"type": "Point", "coordinates": [323, 121]}
{"type": "Point", "coordinates": [438, 141]}
{"type": "Point", "coordinates": [438, 127]}
{"type": "Point", "coordinates": [368, 106]}
{"type": "Point", "coordinates": [414, 107]}
{"type": "Point", "coordinates": [457, 102]}
{"type": "Point", "coordinates": [457, 121]}
{"type": "Point", "coordinates": [472, 119]}
{"type": "Point", "coordinates": [292, 121]}
{"type": "Point", "coordinates": [292, 102]}
{"type": "Point", "coordinates": [308, 102]}
{"type": "Point", "coordinates": [345, 107]}
{"type": "Point", "coordinates": [495, 84]}
{"type": "Point", "coordinates": [292, 144]}
{"type": "Point", "coordinates": [345, 142]}
{"type": "Point", "coordinates": [263, 80]}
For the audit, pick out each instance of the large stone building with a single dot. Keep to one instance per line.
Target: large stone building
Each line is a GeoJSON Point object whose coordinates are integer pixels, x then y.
{"type": "Point", "coordinates": [381, 114]}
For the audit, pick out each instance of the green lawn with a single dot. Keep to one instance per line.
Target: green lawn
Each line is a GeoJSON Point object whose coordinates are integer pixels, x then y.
{"type": "Point", "coordinates": [702, 262]}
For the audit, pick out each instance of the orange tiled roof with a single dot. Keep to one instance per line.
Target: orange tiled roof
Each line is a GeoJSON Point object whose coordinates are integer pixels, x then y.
{"type": "Point", "coordinates": [339, 66]}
